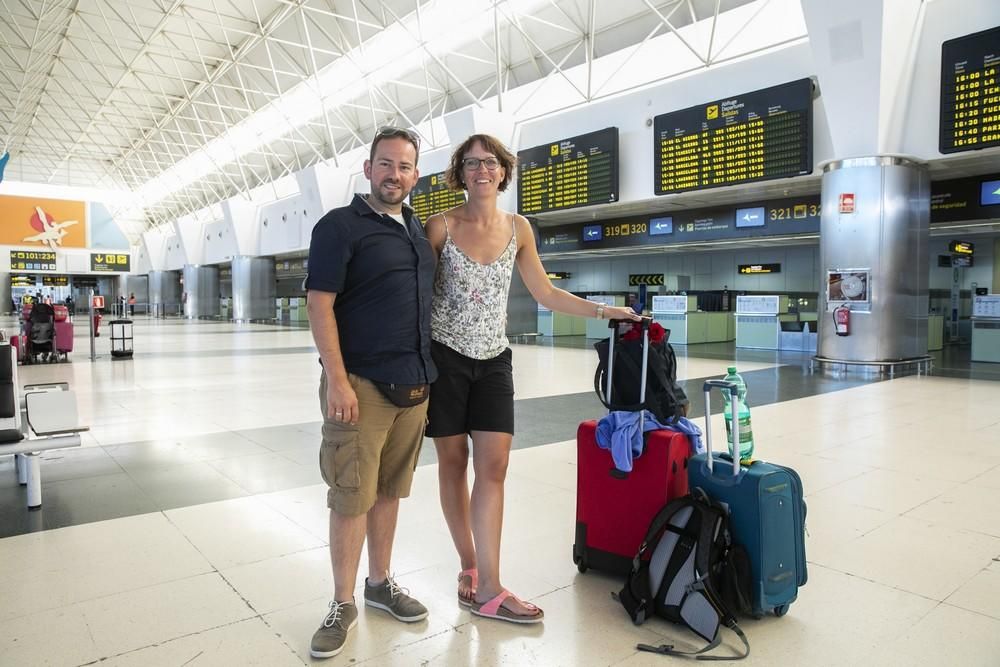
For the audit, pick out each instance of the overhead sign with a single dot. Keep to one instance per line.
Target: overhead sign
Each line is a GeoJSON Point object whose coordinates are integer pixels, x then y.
{"type": "Point", "coordinates": [55, 281]}
{"type": "Point", "coordinates": [970, 92]}
{"type": "Point", "coordinates": [579, 171]}
{"type": "Point", "coordinates": [989, 193]}
{"type": "Point", "coordinates": [756, 136]}
{"type": "Point", "coordinates": [432, 195]}
{"type": "Point", "coordinates": [636, 279]}
{"type": "Point", "coordinates": [32, 260]}
{"type": "Point", "coordinates": [110, 262]}
{"type": "Point", "coordinates": [782, 217]}
{"type": "Point", "coordinates": [750, 217]}
{"type": "Point", "coordinates": [661, 226]}
{"type": "Point", "coordinates": [22, 281]}
{"type": "Point", "coordinates": [962, 247]}
{"type": "Point", "coordinates": [753, 269]}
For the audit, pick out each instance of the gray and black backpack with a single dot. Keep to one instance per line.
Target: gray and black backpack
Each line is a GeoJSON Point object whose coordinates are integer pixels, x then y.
{"type": "Point", "coordinates": [689, 572]}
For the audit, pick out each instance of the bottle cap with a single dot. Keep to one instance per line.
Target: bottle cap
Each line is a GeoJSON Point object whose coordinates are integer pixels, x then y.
{"type": "Point", "coordinates": [732, 369]}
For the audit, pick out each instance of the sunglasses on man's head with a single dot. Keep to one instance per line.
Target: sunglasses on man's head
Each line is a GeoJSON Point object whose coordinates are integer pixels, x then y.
{"type": "Point", "coordinates": [388, 131]}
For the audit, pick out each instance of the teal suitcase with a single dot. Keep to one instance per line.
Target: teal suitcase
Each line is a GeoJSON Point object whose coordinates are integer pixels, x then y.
{"type": "Point", "coordinates": [767, 515]}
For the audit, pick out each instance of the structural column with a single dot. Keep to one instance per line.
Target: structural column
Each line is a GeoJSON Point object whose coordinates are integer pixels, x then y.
{"type": "Point", "coordinates": [874, 259]}
{"type": "Point", "coordinates": [164, 291]}
{"type": "Point", "coordinates": [201, 291]}
{"type": "Point", "coordinates": [254, 288]}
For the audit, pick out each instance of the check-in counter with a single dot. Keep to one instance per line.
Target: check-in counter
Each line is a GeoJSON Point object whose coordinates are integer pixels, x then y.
{"type": "Point", "coordinates": [679, 314]}
{"type": "Point", "coordinates": [758, 321]}
{"type": "Point", "coordinates": [599, 328]}
{"type": "Point", "coordinates": [986, 328]}
{"type": "Point", "coordinates": [561, 324]}
{"type": "Point", "coordinates": [935, 332]}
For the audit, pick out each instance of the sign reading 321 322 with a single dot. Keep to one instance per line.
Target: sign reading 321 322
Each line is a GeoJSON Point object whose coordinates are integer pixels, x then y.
{"type": "Point", "coordinates": [110, 262]}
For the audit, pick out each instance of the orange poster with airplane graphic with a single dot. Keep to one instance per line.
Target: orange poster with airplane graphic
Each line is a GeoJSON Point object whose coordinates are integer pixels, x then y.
{"type": "Point", "coordinates": [47, 224]}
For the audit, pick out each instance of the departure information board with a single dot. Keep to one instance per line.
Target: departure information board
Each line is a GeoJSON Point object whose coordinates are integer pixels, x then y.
{"type": "Point", "coordinates": [431, 195]}
{"type": "Point", "coordinates": [970, 92]}
{"type": "Point", "coordinates": [579, 171]}
{"type": "Point", "coordinates": [752, 137]}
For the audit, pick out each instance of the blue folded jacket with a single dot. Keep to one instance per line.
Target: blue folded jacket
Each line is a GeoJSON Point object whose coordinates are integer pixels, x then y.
{"type": "Point", "coordinates": [619, 432]}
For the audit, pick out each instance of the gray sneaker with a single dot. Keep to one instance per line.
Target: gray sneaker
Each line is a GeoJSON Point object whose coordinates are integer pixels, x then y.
{"type": "Point", "coordinates": [394, 599]}
{"type": "Point", "coordinates": [329, 640]}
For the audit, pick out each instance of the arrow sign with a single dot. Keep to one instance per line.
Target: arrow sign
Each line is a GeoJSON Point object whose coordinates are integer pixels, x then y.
{"type": "Point", "coordinates": [592, 232]}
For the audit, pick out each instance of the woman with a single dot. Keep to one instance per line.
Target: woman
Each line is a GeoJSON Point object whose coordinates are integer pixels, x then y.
{"type": "Point", "coordinates": [477, 246]}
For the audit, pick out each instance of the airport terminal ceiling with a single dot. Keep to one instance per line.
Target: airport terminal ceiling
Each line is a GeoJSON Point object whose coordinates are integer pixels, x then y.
{"type": "Point", "coordinates": [191, 102]}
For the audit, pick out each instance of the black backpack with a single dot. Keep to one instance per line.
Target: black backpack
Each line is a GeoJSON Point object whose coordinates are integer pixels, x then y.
{"type": "Point", "coordinates": [664, 397]}
{"type": "Point", "coordinates": [694, 575]}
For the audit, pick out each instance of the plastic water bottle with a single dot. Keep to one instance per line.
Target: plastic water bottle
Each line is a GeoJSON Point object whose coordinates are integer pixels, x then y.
{"type": "Point", "coordinates": [743, 418]}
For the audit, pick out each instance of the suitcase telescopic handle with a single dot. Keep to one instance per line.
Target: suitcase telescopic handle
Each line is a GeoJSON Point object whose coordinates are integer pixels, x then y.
{"type": "Point", "coordinates": [613, 325]}
{"type": "Point", "coordinates": [735, 397]}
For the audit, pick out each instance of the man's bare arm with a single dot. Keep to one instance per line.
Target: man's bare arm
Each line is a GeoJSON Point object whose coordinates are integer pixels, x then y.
{"type": "Point", "coordinates": [341, 401]}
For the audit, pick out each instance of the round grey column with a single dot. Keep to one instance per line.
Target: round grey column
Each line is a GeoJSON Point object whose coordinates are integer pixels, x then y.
{"type": "Point", "coordinates": [201, 291]}
{"type": "Point", "coordinates": [254, 288]}
{"type": "Point", "coordinates": [874, 259]}
{"type": "Point", "coordinates": [164, 290]}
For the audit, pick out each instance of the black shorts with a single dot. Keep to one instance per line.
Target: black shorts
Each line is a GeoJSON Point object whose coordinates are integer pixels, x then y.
{"type": "Point", "coordinates": [470, 394]}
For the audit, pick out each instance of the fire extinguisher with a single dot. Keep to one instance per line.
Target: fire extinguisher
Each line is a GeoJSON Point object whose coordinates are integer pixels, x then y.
{"type": "Point", "coordinates": [842, 320]}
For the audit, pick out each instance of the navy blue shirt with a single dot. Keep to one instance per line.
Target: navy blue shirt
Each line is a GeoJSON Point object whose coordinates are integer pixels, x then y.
{"type": "Point", "coordinates": [383, 278]}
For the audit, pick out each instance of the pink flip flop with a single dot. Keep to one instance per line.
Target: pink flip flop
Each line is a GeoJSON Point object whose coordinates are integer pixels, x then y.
{"type": "Point", "coordinates": [494, 609]}
{"type": "Point", "coordinates": [473, 575]}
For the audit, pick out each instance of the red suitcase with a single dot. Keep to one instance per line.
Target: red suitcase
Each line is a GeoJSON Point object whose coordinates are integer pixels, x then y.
{"type": "Point", "coordinates": [614, 509]}
{"type": "Point", "coordinates": [64, 337]}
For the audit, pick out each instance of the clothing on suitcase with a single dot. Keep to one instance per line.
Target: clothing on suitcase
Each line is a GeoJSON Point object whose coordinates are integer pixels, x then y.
{"type": "Point", "coordinates": [64, 336]}
{"type": "Point", "coordinates": [691, 560]}
{"type": "Point", "coordinates": [613, 508]}
{"type": "Point", "coordinates": [767, 516]}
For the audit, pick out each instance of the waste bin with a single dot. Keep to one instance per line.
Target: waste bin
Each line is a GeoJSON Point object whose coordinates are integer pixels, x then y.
{"type": "Point", "coordinates": [121, 339]}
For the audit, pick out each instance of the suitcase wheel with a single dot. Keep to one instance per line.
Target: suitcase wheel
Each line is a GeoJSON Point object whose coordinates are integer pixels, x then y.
{"type": "Point", "coordinates": [581, 566]}
{"type": "Point", "coordinates": [781, 610]}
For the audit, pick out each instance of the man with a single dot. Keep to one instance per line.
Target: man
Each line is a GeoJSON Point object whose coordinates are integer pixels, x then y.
{"type": "Point", "coordinates": [367, 260]}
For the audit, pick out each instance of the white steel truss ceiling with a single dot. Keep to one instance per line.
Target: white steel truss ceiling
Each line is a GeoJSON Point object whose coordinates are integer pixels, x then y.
{"type": "Point", "coordinates": [112, 93]}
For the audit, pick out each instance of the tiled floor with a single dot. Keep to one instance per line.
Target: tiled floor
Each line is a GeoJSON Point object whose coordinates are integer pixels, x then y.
{"type": "Point", "coordinates": [191, 528]}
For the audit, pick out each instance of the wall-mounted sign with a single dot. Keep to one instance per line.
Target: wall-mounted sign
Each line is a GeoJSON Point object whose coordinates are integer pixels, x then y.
{"type": "Point", "coordinates": [43, 223]}
{"type": "Point", "coordinates": [97, 301]}
{"type": "Point", "coordinates": [753, 269]}
{"type": "Point", "coordinates": [32, 260]}
{"type": "Point", "coordinates": [989, 191]}
{"type": "Point", "coordinates": [110, 262]}
{"type": "Point", "coordinates": [81, 282]}
{"type": "Point", "coordinates": [55, 281]}
{"type": "Point", "coordinates": [851, 286]}
{"type": "Point", "coordinates": [661, 226]}
{"type": "Point", "coordinates": [636, 279]}
{"type": "Point", "coordinates": [22, 281]}
{"type": "Point", "coordinates": [962, 248]}
{"type": "Point", "coordinates": [846, 202]}
{"type": "Point", "coordinates": [962, 260]}
{"type": "Point", "coordinates": [593, 233]}
{"type": "Point", "coordinates": [750, 217]}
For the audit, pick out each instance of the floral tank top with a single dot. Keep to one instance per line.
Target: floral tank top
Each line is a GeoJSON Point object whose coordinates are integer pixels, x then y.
{"type": "Point", "coordinates": [469, 309]}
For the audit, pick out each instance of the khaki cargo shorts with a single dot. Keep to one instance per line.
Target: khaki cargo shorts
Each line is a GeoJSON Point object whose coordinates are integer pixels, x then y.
{"type": "Point", "coordinates": [376, 456]}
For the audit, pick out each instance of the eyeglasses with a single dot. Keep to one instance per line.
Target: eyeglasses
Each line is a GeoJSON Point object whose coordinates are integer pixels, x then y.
{"type": "Point", "coordinates": [473, 163]}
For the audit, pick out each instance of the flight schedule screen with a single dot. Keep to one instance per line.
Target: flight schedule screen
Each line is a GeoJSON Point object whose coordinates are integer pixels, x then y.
{"type": "Point", "coordinates": [970, 92]}
{"type": "Point", "coordinates": [757, 136]}
{"type": "Point", "coordinates": [431, 195]}
{"type": "Point", "coordinates": [579, 171]}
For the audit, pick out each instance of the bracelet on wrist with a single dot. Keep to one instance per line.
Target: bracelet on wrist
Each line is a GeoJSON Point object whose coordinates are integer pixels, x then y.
{"type": "Point", "coordinates": [600, 311]}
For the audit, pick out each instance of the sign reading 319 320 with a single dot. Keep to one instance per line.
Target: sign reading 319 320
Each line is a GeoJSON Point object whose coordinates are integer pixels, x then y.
{"type": "Point", "coordinates": [757, 136]}
{"type": "Point", "coordinates": [970, 92]}
{"type": "Point", "coordinates": [580, 171]}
